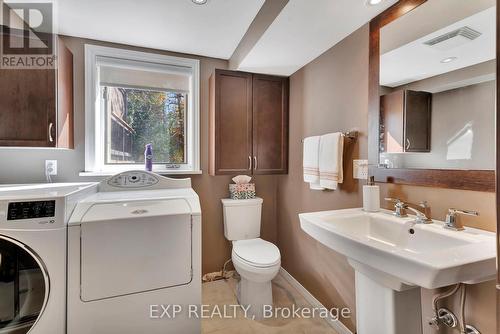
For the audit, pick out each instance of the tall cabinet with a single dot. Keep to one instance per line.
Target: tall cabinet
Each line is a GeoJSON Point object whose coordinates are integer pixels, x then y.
{"type": "Point", "coordinates": [248, 123]}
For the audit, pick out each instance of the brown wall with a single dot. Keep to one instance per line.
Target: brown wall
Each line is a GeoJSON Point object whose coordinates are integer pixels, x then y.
{"type": "Point", "coordinates": [331, 94]}
{"type": "Point", "coordinates": [216, 250]}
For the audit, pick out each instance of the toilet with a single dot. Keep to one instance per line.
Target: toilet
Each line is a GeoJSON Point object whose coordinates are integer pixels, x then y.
{"type": "Point", "coordinates": [257, 261]}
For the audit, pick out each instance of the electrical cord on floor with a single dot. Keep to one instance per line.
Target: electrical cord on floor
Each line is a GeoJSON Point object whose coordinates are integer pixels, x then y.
{"type": "Point", "coordinates": [224, 269]}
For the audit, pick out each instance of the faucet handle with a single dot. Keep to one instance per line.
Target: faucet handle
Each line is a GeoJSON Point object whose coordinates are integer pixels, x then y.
{"type": "Point", "coordinates": [453, 220]}
{"type": "Point", "coordinates": [424, 204]}
{"type": "Point", "coordinates": [453, 211]}
{"type": "Point", "coordinates": [399, 206]}
{"type": "Point", "coordinates": [393, 200]}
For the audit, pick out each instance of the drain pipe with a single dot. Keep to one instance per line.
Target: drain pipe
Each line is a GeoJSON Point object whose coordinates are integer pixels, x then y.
{"type": "Point", "coordinates": [443, 295]}
{"type": "Point", "coordinates": [436, 319]}
{"type": "Point", "coordinates": [446, 317]}
{"type": "Point", "coordinates": [463, 294]}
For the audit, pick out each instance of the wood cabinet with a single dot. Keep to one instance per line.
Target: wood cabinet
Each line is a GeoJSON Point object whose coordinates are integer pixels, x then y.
{"type": "Point", "coordinates": [248, 123]}
{"type": "Point", "coordinates": [405, 118]}
{"type": "Point", "coordinates": [36, 105]}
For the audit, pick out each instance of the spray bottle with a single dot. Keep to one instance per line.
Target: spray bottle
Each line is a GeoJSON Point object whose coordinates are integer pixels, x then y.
{"type": "Point", "coordinates": [148, 157]}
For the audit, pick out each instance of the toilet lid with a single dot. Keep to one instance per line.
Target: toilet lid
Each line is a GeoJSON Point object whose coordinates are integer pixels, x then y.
{"type": "Point", "coordinates": [257, 251]}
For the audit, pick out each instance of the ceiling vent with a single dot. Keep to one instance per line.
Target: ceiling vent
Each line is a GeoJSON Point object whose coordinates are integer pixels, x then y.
{"type": "Point", "coordinates": [453, 39]}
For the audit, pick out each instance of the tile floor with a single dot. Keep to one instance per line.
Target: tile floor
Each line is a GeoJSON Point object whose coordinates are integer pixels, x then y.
{"type": "Point", "coordinates": [224, 293]}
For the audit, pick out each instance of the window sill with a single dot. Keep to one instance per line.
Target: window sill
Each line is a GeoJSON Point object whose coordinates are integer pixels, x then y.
{"type": "Point", "coordinates": [161, 172]}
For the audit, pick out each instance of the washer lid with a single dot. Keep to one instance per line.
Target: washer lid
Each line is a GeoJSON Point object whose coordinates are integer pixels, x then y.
{"type": "Point", "coordinates": [257, 252]}
{"type": "Point", "coordinates": [129, 204]}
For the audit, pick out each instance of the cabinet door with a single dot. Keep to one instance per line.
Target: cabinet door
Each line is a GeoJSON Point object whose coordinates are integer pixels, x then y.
{"type": "Point", "coordinates": [417, 121]}
{"type": "Point", "coordinates": [392, 118]}
{"type": "Point", "coordinates": [64, 96]}
{"type": "Point", "coordinates": [27, 108]}
{"type": "Point", "coordinates": [36, 106]}
{"type": "Point", "coordinates": [230, 123]}
{"type": "Point", "coordinates": [270, 124]}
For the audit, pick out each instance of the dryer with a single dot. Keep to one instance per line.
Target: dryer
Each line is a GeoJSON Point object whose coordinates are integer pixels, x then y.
{"type": "Point", "coordinates": [135, 247]}
{"type": "Point", "coordinates": [33, 255]}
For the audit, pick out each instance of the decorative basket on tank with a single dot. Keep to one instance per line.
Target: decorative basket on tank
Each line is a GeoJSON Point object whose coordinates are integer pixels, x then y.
{"type": "Point", "coordinates": [241, 188]}
{"type": "Point", "coordinates": [242, 191]}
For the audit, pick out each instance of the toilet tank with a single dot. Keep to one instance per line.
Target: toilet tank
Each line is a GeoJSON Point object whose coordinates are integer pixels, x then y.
{"type": "Point", "coordinates": [242, 218]}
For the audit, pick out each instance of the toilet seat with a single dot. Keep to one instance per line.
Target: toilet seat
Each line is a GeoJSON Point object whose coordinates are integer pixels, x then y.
{"type": "Point", "coordinates": [257, 252]}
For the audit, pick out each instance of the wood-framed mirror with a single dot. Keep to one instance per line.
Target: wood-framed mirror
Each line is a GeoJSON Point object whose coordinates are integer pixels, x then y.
{"type": "Point", "coordinates": [431, 98]}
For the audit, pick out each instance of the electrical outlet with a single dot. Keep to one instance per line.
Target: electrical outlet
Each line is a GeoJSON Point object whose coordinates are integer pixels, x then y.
{"type": "Point", "coordinates": [51, 167]}
{"type": "Point", "coordinates": [360, 169]}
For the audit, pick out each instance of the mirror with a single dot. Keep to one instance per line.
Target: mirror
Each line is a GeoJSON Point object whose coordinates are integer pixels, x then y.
{"type": "Point", "coordinates": [437, 87]}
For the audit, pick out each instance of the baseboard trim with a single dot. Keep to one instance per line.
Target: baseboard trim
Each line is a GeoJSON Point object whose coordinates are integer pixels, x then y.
{"type": "Point", "coordinates": [335, 324]}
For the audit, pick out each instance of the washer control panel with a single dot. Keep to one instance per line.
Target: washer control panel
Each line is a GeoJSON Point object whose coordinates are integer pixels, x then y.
{"type": "Point", "coordinates": [31, 210]}
{"type": "Point", "coordinates": [133, 179]}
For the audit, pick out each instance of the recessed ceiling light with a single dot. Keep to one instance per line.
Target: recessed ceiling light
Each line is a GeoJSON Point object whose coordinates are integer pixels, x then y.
{"type": "Point", "coordinates": [448, 60]}
{"type": "Point", "coordinates": [199, 2]}
{"type": "Point", "coordinates": [373, 2]}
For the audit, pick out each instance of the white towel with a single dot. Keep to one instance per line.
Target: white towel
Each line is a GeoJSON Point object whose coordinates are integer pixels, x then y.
{"type": "Point", "coordinates": [331, 149]}
{"type": "Point", "coordinates": [310, 162]}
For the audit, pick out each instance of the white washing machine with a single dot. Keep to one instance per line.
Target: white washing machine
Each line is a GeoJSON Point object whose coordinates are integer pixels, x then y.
{"type": "Point", "coordinates": [33, 255]}
{"type": "Point", "coordinates": [134, 248]}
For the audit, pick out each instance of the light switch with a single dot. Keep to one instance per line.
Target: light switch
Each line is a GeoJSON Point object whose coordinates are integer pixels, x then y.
{"type": "Point", "coordinates": [360, 169]}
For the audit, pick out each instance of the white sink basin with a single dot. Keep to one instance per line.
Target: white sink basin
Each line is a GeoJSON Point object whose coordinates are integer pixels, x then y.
{"type": "Point", "coordinates": [393, 257]}
{"type": "Point", "coordinates": [425, 255]}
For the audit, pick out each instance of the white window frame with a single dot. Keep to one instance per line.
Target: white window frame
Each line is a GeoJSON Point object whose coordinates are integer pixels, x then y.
{"type": "Point", "coordinates": [95, 118]}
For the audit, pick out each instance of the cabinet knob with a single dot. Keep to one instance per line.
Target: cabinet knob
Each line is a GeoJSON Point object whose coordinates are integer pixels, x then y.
{"type": "Point", "coordinates": [255, 162]}
{"type": "Point", "coordinates": [408, 143]}
{"type": "Point", "coordinates": [249, 163]}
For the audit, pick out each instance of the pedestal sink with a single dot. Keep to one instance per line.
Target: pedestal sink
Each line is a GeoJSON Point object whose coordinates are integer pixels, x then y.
{"type": "Point", "coordinates": [394, 257]}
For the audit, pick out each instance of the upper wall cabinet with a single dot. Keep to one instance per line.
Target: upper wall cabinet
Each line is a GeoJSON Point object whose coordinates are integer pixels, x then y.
{"type": "Point", "coordinates": [36, 105]}
{"type": "Point", "coordinates": [248, 123]}
{"type": "Point", "coordinates": [405, 119]}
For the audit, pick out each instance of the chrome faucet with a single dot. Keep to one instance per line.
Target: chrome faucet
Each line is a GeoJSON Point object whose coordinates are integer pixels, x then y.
{"type": "Point", "coordinates": [453, 221]}
{"type": "Point", "coordinates": [422, 212]}
{"type": "Point", "coordinates": [400, 208]}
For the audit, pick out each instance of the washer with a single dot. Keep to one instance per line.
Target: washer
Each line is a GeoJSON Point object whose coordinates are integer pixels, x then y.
{"type": "Point", "coordinates": [134, 248]}
{"type": "Point", "coordinates": [33, 255]}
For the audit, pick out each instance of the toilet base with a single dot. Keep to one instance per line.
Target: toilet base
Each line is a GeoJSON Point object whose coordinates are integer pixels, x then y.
{"type": "Point", "coordinates": [254, 295]}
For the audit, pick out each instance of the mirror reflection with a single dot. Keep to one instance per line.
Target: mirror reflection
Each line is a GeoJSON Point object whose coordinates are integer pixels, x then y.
{"type": "Point", "coordinates": [437, 87]}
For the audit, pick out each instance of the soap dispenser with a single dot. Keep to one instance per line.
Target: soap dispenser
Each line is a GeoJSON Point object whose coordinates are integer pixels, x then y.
{"type": "Point", "coordinates": [371, 196]}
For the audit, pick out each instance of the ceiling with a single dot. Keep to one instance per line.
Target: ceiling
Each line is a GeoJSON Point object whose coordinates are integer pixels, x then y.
{"type": "Point", "coordinates": [213, 30]}
{"type": "Point", "coordinates": [304, 30]}
{"type": "Point", "coordinates": [415, 61]}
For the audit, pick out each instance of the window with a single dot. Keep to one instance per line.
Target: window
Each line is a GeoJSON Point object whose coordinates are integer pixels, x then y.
{"type": "Point", "coordinates": [135, 98]}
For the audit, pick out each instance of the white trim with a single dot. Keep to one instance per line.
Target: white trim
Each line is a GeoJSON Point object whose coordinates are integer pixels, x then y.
{"type": "Point", "coordinates": [337, 325]}
{"type": "Point", "coordinates": [93, 131]}
{"type": "Point", "coordinates": [161, 172]}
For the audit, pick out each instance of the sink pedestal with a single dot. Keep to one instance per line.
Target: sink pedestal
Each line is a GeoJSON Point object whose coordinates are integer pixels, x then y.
{"type": "Point", "coordinates": [384, 305]}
